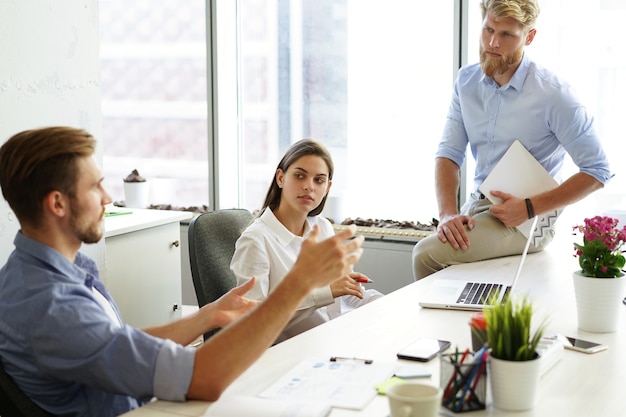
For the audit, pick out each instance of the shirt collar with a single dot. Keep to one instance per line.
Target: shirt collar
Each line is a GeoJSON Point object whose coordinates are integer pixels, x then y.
{"type": "Point", "coordinates": [83, 267]}
{"type": "Point", "coordinates": [284, 236]}
{"type": "Point", "coordinates": [517, 81]}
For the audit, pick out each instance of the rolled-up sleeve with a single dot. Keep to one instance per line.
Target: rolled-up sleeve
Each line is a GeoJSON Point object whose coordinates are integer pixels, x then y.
{"type": "Point", "coordinates": [119, 360]}
{"type": "Point", "coordinates": [173, 371]}
{"type": "Point", "coordinates": [576, 130]}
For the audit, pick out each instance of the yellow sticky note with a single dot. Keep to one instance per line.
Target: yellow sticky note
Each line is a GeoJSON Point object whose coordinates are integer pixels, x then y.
{"type": "Point", "coordinates": [384, 386]}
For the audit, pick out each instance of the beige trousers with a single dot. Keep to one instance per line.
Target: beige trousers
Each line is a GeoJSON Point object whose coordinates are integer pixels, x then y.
{"type": "Point", "coordinates": [488, 239]}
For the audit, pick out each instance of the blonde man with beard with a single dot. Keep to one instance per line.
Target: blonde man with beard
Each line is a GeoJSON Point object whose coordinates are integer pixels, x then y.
{"type": "Point", "coordinates": [507, 96]}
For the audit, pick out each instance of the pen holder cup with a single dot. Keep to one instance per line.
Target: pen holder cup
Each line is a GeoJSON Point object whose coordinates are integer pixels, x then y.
{"type": "Point", "coordinates": [463, 382]}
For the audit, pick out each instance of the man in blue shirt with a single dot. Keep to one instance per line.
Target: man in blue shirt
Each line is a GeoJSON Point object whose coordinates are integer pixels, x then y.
{"type": "Point", "coordinates": [62, 338]}
{"type": "Point", "coordinates": [505, 97]}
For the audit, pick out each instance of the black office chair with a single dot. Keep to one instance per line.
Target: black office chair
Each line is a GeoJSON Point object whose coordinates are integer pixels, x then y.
{"type": "Point", "coordinates": [13, 402]}
{"type": "Point", "coordinates": [212, 238]}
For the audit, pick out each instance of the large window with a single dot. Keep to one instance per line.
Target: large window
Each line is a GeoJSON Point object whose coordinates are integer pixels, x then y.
{"type": "Point", "coordinates": [154, 98]}
{"type": "Point", "coordinates": [578, 39]}
{"type": "Point", "coordinates": [371, 81]}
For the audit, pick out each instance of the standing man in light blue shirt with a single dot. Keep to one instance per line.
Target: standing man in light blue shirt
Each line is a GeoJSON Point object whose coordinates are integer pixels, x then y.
{"type": "Point", "coordinates": [62, 338]}
{"type": "Point", "coordinates": [505, 97]}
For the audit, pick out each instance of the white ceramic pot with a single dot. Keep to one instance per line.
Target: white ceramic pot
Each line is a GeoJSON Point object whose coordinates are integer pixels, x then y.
{"type": "Point", "coordinates": [513, 383]}
{"type": "Point", "coordinates": [137, 194]}
{"type": "Point", "coordinates": [598, 301]}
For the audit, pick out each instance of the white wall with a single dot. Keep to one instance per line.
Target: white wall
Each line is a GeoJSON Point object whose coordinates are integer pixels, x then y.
{"type": "Point", "coordinates": [49, 75]}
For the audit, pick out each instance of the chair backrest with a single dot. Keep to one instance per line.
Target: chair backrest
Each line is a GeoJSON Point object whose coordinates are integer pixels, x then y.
{"type": "Point", "coordinates": [212, 238]}
{"type": "Point", "coordinates": [13, 402]}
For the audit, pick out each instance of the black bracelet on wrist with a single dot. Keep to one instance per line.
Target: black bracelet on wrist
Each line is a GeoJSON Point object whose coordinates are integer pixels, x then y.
{"type": "Point", "coordinates": [529, 208]}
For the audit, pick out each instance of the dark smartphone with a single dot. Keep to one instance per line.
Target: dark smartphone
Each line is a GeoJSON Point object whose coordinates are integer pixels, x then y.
{"type": "Point", "coordinates": [423, 349]}
{"type": "Point", "coordinates": [585, 346]}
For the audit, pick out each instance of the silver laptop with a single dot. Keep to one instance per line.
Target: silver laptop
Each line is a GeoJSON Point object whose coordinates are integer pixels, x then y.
{"type": "Point", "coordinates": [472, 290]}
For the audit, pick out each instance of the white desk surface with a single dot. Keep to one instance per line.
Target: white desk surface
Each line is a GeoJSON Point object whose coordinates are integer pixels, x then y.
{"type": "Point", "coordinates": [139, 219]}
{"type": "Point", "coordinates": [577, 385]}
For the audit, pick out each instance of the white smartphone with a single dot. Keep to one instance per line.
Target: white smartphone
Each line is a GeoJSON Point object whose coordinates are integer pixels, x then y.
{"type": "Point", "coordinates": [423, 349]}
{"type": "Point", "coordinates": [413, 371]}
{"type": "Point", "coordinates": [585, 346]}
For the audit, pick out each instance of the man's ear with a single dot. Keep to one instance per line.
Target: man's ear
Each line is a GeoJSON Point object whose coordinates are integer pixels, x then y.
{"type": "Point", "coordinates": [56, 203]}
{"type": "Point", "coordinates": [530, 36]}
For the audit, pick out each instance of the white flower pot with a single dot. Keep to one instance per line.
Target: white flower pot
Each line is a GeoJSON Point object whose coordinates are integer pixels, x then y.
{"type": "Point", "coordinates": [136, 194]}
{"type": "Point", "coordinates": [598, 301]}
{"type": "Point", "coordinates": [513, 383]}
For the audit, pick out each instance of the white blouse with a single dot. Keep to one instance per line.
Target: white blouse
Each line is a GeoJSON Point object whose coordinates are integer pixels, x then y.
{"type": "Point", "coordinates": [267, 250]}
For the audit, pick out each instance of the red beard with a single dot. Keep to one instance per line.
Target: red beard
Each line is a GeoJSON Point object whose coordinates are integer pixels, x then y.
{"type": "Point", "coordinates": [496, 66]}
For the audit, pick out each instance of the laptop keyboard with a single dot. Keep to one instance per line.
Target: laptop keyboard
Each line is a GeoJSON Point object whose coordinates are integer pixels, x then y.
{"type": "Point", "coordinates": [479, 293]}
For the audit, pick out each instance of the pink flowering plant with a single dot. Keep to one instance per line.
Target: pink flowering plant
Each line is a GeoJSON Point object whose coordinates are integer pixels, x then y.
{"type": "Point", "coordinates": [600, 255]}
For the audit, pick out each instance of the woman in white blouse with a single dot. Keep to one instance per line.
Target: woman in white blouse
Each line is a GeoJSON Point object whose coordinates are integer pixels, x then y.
{"type": "Point", "coordinates": [268, 248]}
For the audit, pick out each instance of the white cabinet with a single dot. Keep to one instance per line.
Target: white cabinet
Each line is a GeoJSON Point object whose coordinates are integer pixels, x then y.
{"type": "Point", "coordinates": [143, 265]}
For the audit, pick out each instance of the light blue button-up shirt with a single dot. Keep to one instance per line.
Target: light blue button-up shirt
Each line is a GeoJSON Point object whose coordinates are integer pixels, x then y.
{"type": "Point", "coordinates": [63, 349]}
{"type": "Point", "coordinates": [535, 107]}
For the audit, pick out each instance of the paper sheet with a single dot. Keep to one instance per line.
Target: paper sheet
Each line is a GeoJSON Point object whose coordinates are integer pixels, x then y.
{"type": "Point", "coordinates": [345, 383]}
{"type": "Point", "coordinates": [240, 405]}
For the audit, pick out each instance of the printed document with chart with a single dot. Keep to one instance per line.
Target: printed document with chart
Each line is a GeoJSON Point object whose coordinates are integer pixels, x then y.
{"type": "Point", "coordinates": [520, 174]}
{"type": "Point", "coordinates": [341, 382]}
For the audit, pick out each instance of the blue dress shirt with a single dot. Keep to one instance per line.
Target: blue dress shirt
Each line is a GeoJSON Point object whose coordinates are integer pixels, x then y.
{"type": "Point", "coordinates": [65, 352]}
{"type": "Point", "coordinates": [535, 107]}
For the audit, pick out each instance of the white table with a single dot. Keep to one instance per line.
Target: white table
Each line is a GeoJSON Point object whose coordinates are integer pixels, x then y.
{"type": "Point", "coordinates": [578, 385]}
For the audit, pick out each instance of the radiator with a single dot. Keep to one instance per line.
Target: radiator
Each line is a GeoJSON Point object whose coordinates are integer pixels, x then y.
{"type": "Point", "coordinates": [387, 255]}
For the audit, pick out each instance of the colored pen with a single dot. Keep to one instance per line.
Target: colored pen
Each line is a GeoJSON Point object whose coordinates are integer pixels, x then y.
{"type": "Point", "coordinates": [116, 213]}
{"type": "Point", "coordinates": [364, 280]}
